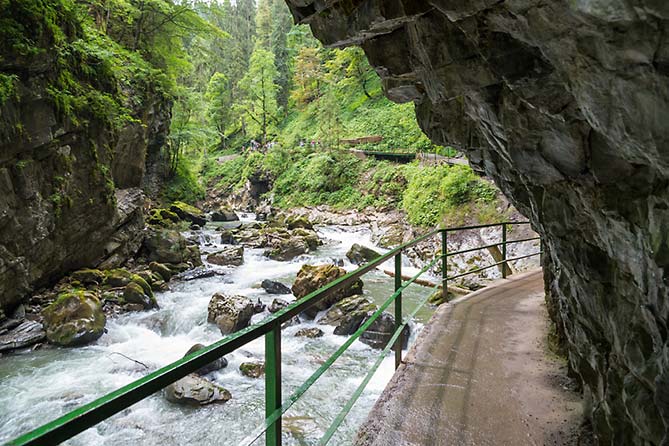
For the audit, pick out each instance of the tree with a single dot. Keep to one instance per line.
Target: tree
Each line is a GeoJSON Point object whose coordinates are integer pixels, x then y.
{"type": "Point", "coordinates": [349, 69]}
{"type": "Point", "coordinates": [259, 85]}
{"type": "Point", "coordinates": [308, 77]}
{"type": "Point", "coordinates": [219, 103]}
{"type": "Point", "coordinates": [282, 24]}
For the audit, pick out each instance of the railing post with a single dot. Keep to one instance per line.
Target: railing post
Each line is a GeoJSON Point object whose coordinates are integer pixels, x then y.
{"type": "Point", "coordinates": [444, 264]}
{"type": "Point", "coordinates": [398, 309]}
{"type": "Point", "coordinates": [273, 383]}
{"type": "Point", "coordinates": [504, 266]}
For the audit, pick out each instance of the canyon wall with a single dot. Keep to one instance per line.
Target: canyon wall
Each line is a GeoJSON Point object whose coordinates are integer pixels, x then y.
{"type": "Point", "coordinates": [74, 141]}
{"type": "Point", "coordinates": [565, 104]}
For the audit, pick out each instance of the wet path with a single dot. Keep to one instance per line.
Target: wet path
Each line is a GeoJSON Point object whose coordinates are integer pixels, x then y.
{"type": "Point", "coordinates": [480, 374]}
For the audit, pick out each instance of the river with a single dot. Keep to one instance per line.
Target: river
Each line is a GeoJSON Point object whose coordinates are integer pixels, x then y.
{"type": "Point", "coordinates": [38, 386]}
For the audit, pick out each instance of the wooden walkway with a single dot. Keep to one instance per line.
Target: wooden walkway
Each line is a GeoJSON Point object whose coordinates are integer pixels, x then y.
{"type": "Point", "coordinates": [480, 374]}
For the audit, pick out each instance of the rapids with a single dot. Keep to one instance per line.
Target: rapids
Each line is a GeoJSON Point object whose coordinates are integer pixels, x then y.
{"type": "Point", "coordinates": [38, 386]}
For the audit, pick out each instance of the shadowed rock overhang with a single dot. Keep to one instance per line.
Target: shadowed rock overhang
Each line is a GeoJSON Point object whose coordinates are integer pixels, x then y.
{"type": "Point", "coordinates": [565, 104]}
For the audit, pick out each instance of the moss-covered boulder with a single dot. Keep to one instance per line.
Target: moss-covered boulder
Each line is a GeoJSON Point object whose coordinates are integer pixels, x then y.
{"type": "Point", "coordinates": [231, 255]}
{"type": "Point", "coordinates": [166, 246]}
{"type": "Point", "coordinates": [117, 278]}
{"type": "Point", "coordinates": [310, 278]}
{"type": "Point", "coordinates": [359, 254]}
{"type": "Point", "coordinates": [193, 390]}
{"type": "Point", "coordinates": [75, 318]}
{"type": "Point", "coordinates": [347, 314]}
{"type": "Point", "coordinates": [162, 217]}
{"type": "Point", "coordinates": [88, 276]}
{"type": "Point", "coordinates": [229, 313]}
{"type": "Point", "coordinates": [189, 213]}
{"type": "Point", "coordinates": [252, 369]}
{"type": "Point", "coordinates": [309, 236]}
{"type": "Point", "coordinates": [139, 292]}
{"type": "Point", "coordinates": [162, 270]}
{"type": "Point", "coordinates": [298, 221]}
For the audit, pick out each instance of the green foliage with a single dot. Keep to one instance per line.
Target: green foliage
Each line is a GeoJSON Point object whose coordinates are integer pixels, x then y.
{"type": "Point", "coordinates": [7, 87]}
{"type": "Point", "coordinates": [447, 194]}
{"type": "Point", "coordinates": [184, 184]}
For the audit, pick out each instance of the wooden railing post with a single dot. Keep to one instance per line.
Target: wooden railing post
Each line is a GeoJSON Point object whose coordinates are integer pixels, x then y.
{"type": "Point", "coordinates": [398, 309]}
{"type": "Point", "coordinates": [273, 383]}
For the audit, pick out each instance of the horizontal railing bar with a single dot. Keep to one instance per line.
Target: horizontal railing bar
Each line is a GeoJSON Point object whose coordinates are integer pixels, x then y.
{"type": "Point", "coordinates": [508, 242]}
{"type": "Point", "coordinates": [351, 402]}
{"type": "Point", "coordinates": [328, 362]}
{"type": "Point", "coordinates": [493, 265]}
{"type": "Point", "coordinates": [72, 423]}
{"type": "Point", "coordinates": [488, 225]}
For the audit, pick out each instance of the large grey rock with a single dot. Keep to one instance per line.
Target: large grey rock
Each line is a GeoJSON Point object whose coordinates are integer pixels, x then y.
{"type": "Point", "coordinates": [310, 278]}
{"type": "Point", "coordinates": [347, 314]}
{"type": "Point", "coordinates": [193, 390]}
{"type": "Point", "coordinates": [564, 105]}
{"type": "Point", "coordinates": [231, 255]}
{"type": "Point", "coordinates": [359, 254]}
{"type": "Point", "coordinates": [25, 334]}
{"type": "Point", "coordinates": [274, 287]}
{"type": "Point", "coordinates": [224, 214]}
{"type": "Point", "coordinates": [213, 366]}
{"type": "Point", "coordinates": [229, 313]}
{"type": "Point", "coordinates": [378, 334]}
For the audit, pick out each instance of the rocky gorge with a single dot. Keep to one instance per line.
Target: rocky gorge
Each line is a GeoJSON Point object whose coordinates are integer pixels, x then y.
{"type": "Point", "coordinates": [564, 105]}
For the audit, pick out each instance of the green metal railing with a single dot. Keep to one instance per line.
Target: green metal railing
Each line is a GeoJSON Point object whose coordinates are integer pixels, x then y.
{"type": "Point", "coordinates": [102, 408]}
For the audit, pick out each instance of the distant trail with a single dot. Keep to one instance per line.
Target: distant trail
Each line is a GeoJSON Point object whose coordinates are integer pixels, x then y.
{"type": "Point", "coordinates": [480, 374]}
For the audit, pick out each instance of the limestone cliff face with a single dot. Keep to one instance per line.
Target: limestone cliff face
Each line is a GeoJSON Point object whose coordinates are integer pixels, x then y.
{"type": "Point", "coordinates": [566, 105]}
{"type": "Point", "coordinates": [69, 191]}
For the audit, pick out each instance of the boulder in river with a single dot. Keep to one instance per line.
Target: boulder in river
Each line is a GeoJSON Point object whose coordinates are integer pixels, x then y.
{"type": "Point", "coordinates": [288, 248]}
{"type": "Point", "coordinates": [224, 214]}
{"type": "Point", "coordinates": [75, 318]}
{"type": "Point", "coordinates": [162, 217]}
{"type": "Point", "coordinates": [311, 278]}
{"type": "Point", "coordinates": [277, 304]}
{"type": "Point", "coordinates": [313, 332]}
{"type": "Point", "coordinates": [298, 221]}
{"type": "Point", "coordinates": [193, 390]}
{"type": "Point", "coordinates": [137, 292]}
{"type": "Point", "coordinates": [274, 287]}
{"type": "Point", "coordinates": [252, 369]}
{"type": "Point", "coordinates": [379, 333]}
{"type": "Point", "coordinates": [230, 313]}
{"type": "Point", "coordinates": [189, 213]}
{"type": "Point", "coordinates": [166, 246]}
{"type": "Point", "coordinates": [161, 270]}
{"type": "Point", "coordinates": [347, 314]}
{"type": "Point", "coordinates": [231, 255]}
{"type": "Point", "coordinates": [359, 254]}
{"type": "Point", "coordinates": [24, 334]}
{"type": "Point", "coordinates": [217, 364]}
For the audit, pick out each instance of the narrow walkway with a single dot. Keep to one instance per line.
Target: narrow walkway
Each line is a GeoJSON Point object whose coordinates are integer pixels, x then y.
{"type": "Point", "coordinates": [480, 374]}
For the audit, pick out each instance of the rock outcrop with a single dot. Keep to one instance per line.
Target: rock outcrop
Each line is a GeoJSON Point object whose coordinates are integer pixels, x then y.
{"type": "Point", "coordinates": [564, 104]}
{"type": "Point", "coordinates": [310, 278]}
{"type": "Point", "coordinates": [70, 168]}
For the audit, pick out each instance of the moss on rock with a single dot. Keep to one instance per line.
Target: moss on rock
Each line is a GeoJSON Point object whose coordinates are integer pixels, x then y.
{"type": "Point", "coordinates": [75, 318]}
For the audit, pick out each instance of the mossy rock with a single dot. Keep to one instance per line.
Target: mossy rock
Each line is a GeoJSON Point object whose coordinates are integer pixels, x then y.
{"type": "Point", "coordinates": [166, 246]}
{"type": "Point", "coordinates": [437, 298]}
{"type": "Point", "coordinates": [75, 318]}
{"type": "Point", "coordinates": [88, 276]}
{"type": "Point", "coordinates": [310, 278]}
{"type": "Point", "coordinates": [188, 212]}
{"type": "Point", "coordinates": [162, 217]}
{"type": "Point", "coordinates": [298, 221]}
{"type": "Point", "coordinates": [252, 369]}
{"type": "Point", "coordinates": [135, 293]}
{"type": "Point", "coordinates": [162, 270]}
{"type": "Point", "coordinates": [117, 278]}
{"type": "Point", "coordinates": [359, 254]}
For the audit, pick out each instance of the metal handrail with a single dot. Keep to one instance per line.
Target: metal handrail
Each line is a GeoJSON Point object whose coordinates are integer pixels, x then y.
{"type": "Point", "coordinates": [72, 423]}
